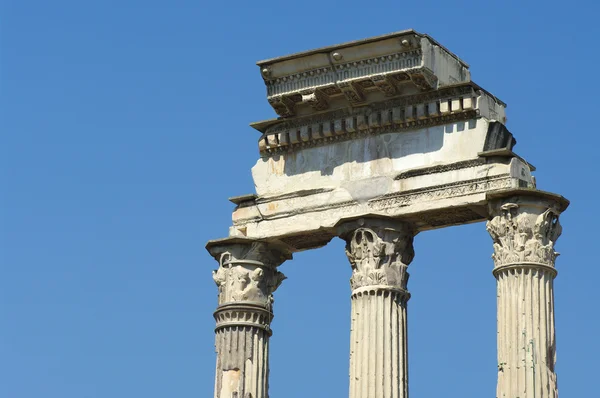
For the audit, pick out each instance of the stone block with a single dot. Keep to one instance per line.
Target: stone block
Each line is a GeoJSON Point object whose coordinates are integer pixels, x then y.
{"type": "Point", "coordinates": [420, 111]}
{"type": "Point", "coordinates": [338, 127]}
{"type": "Point", "coordinates": [374, 119]}
{"type": "Point", "coordinates": [444, 107]}
{"type": "Point", "coordinates": [455, 105]}
{"type": "Point", "coordinates": [432, 109]}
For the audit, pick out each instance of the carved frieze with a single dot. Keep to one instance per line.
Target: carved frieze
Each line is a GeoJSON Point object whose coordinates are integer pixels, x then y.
{"type": "Point", "coordinates": [521, 235]}
{"type": "Point", "coordinates": [379, 256]}
{"type": "Point", "coordinates": [399, 199]}
{"type": "Point", "coordinates": [451, 190]}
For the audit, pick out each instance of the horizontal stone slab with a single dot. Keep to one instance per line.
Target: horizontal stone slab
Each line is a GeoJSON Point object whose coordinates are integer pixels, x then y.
{"type": "Point", "coordinates": [453, 194]}
{"type": "Point", "coordinates": [378, 156]}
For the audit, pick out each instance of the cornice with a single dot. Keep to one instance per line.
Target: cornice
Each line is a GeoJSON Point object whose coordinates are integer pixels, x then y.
{"type": "Point", "coordinates": [326, 77]}
{"type": "Point", "coordinates": [448, 105]}
{"type": "Point", "coordinates": [340, 46]}
{"type": "Point", "coordinates": [447, 92]}
{"type": "Point", "coordinates": [357, 73]}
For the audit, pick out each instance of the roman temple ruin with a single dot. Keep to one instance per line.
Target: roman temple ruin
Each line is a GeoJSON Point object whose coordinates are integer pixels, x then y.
{"type": "Point", "coordinates": [378, 140]}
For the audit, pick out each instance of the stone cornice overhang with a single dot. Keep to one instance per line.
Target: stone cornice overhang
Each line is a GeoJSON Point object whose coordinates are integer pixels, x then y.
{"type": "Point", "coordinates": [358, 42]}
{"type": "Point", "coordinates": [348, 74]}
{"type": "Point", "coordinates": [216, 247]}
{"type": "Point", "coordinates": [560, 202]}
{"type": "Point", "coordinates": [263, 125]}
{"type": "Point", "coordinates": [446, 105]}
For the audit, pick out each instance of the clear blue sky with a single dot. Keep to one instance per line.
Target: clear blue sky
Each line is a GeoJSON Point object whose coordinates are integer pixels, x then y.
{"type": "Point", "coordinates": [124, 129]}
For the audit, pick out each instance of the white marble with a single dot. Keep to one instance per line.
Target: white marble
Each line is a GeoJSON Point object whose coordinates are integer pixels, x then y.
{"type": "Point", "coordinates": [524, 231]}
{"type": "Point", "coordinates": [379, 252]}
{"type": "Point", "coordinates": [246, 278]}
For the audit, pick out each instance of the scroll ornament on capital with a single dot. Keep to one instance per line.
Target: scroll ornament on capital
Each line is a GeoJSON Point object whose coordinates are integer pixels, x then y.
{"type": "Point", "coordinates": [520, 236]}
{"type": "Point", "coordinates": [379, 257]}
{"type": "Point", "coordinates": [250, 276]}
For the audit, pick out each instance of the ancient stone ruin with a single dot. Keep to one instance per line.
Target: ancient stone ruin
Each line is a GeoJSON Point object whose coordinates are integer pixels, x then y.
{"type": "Point", "coordinates": [378, 140]}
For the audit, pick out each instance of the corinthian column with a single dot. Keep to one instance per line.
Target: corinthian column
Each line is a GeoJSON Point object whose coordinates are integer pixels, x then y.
{"type": "Point", "coordinates": [379, 252]}
{"type": "Point", "coordinates": [246, 278]}
{"type": "Point", "coordinates": [524, 230]}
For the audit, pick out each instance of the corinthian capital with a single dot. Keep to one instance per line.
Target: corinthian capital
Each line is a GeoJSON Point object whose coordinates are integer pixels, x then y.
{"type": "Point", "coordinates": [247, 270]}
{"type": "Point", "coordinates": [379, 254]}
{"type": "Point", "coordinates": [524, 234]}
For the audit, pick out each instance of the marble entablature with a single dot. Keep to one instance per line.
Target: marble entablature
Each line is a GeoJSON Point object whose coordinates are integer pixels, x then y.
{"type": "Point", "coordinates": [411, 152]}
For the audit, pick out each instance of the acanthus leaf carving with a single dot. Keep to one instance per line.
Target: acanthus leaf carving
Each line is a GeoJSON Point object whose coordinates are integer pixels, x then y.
{"type": "Point", "coordinates": [522, 236]}
{"type": "Point", "coordinates": [248, 273]}
{"type": "Point", "coordinates": [379, 256]}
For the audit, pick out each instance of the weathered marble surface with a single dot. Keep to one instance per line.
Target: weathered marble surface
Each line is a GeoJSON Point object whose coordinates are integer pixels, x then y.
{"type": "Point", "coordinates": [379, 251]}
{"type": "Point", "coordinates": [359, 72]}
{"type": "Point", "coordinates": [379, 344]}
{"type": "Point", "coordinates": [400, 113]}
{"type": "Point", "coordinates": [370, 157]}
{"type": "Point", "coordinates": [364, 131]}
{"type": "Point", "coordinates": [434, 197]}
{"type": "Point", "coordinates": [524, 229]}
{"type": "Point", "coordinates": [246, 278]}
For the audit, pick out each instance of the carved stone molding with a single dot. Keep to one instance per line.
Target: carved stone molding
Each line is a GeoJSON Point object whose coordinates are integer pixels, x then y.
{"type": "Point", "coordinates": [283, 106]}
{"type": "Point", "coordinates": [423, 79]}
{"type": "Point", "coordinates": [391, 202]}
{"type": "Point", "coordinates": [353, 92]}
{"type": "Point", "coordinates": [240, 315]}
{"type": "Point", "coordinates": [386, 84]}
{"type": "Point", "coordinates": [247, 271]}
{"type": "Point", "coordinates": [430, 108]}
{"type": "Point", "coordinates": [451, 190]}
{"type": "Point", "coordinates": [317, 99]}
{"type": "Point", "coordinates": [524, 234]}
{"type": "Point", "coordinates": [379, 255]}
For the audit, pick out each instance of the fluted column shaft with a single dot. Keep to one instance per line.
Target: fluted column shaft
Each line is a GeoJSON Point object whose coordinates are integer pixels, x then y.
{"type": "Point", "coordinates": [526, 343]}
{"type": "Point", "coordinates": [378, 352]}
{"type": "Point", "coordinates": [242, 345]}
{"type": "Point", "coordinates": [524, 234]}
{"type": "Point", "coordinates": [247, 277]}
{"type": "Point", "coordinates": [379, 253]}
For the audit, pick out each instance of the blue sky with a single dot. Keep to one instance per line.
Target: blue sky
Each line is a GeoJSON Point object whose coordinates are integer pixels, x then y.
{"type": "Point", "coordinates": [124, 129]}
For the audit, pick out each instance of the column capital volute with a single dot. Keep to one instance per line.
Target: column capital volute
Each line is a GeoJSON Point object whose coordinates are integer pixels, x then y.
{"type": "Point", "coordinates": [524, 225]}
{"type": "Point", "coordinates": [379, 250]}
{"type": "Point", "coordinates": [247, 270]}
